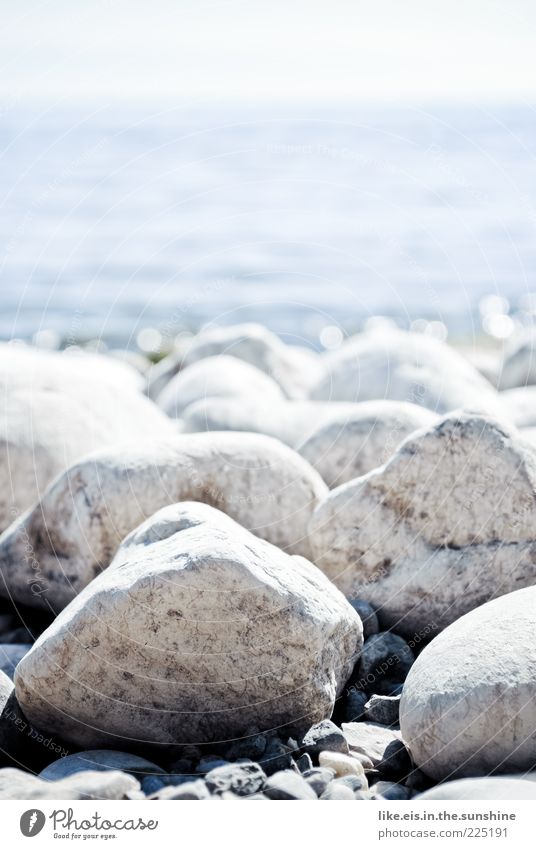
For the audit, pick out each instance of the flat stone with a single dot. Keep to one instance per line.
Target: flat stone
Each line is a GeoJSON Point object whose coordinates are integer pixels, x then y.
{"type": "Point", "coordinates": [288, 785]}
{"type": "Point", "coordinates": [376, 742]}
{"type": "Point", "coordinates": [341, 764]}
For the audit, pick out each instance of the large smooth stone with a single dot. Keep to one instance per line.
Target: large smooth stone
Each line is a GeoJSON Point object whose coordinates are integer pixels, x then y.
{"type": "Point", "coordinates": [445, 525]}
{"type": "Point", "coordinates": [100, 760]}
{"type": "Point", "coordinates": [16, 784]}
{"type": "Point", "coordinates": [481, 788]}
{"type": "Point", "coordinates": [198, 632]}
{"type": "Point", "coordinates": [57, 408]}
{"type": "Point", "coordinates": [468, 704]}
{"type": "Point", "coordinates": [52, 552]}
{"type": "Point", "coordinates": [400, 366]}
{"type": "Point", "coordinates": [361, 438]}
{"type": "Point", "coordinates": [216, 377]}
{"type": "Point", "coordinates": [292, 367]}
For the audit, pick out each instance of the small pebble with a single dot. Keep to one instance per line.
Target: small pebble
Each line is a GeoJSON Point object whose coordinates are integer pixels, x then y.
{"type": "Point", "coordinates": [390, 790]}
{"type": "Point", "coordinates": [319, 778]}
{"type": "Point", "coordinates": [337, 793]}
{"type": "Point", "coordinates": [190, 790]}
{"type": "Point", "coordinates": [304, 763]}
{"type": "Point", "coordinates": [287, 785]}
{"type": "Point", "coordinates": [324, 736]}
{"type": "Point", "coordinates": [341, 764]}
{"type": "Point", "coordinates": [383, 709]}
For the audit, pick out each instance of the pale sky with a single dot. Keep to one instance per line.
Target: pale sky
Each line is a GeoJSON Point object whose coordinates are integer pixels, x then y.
{"type": "Point", "coordinates": [255, 50]}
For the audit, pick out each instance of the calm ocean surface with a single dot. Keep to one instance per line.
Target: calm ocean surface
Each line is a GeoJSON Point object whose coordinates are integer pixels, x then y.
{"type": "Point", "coordinates": [119, 217]}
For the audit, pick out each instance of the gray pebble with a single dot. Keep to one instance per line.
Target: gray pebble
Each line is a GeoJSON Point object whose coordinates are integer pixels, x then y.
{"type": "Point", "coordinates": [325, 736]}
{"type": "Point", "coordinates": [304, 762]}
{"type": "Point", "coordinates": [337, 792]}
{"type": "Point", "coordinates": [250, 747]}
{"type": "Point", "coordinates": [319, 778]}
{"type": "Point", "coordinates": [384, 656]}
{"type": "Point", "coordinates": [354, 782]}
{"type": "Point", "coordinates": [276, 757]}
{"type": "Point", "coordinates": [390, 790]}
{"type": "Point", "coordinates": [383, 709]}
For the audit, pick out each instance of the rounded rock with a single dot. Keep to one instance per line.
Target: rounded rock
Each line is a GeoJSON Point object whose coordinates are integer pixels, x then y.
{"type": "Point", "coordinates": [72, 534]}
{"type": "Point", "coordinates": [427, 537]}
{"type": "Point", "coordinates": [184, 639]}
{"type": "Point", "coordinates": [216, 377]}
{"type": "Point", "coordinates": [352, 443]}
{"type": "Point", "coordinates": [467, 708]}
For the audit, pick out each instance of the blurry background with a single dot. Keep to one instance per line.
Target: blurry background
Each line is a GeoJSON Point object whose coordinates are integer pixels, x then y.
{"type": "Point", "coordinates": [312, 165]}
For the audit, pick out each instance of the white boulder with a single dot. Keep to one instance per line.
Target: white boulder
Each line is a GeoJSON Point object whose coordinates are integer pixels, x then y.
{"type": "Point", "coordinates": [216, 377]}
{"type": "Point", "coordinates": [448, 523]}
{"type": "Point", "coordinates": [292, 367]}
{"type": "Point", "coordinates": [73, 532]}
{"type": "Point", "coordinates": [290, 421]}
{"type": "Point", "coordinates": [361, 438]}
{"type": "Point", "coordinates": [491, 787]}
{"type": "Point", "coordinates": [467, 706]}
{"type": "Point", "coordinates": [198, 632]}
{"type": "Point", "coordinates": [57, 407]}
{"type": "Point", "coordinates": [400, 366]}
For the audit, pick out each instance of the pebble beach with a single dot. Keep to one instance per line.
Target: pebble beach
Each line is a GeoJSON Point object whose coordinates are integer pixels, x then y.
{"type": "Point", "coordinates": [253, 571]}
